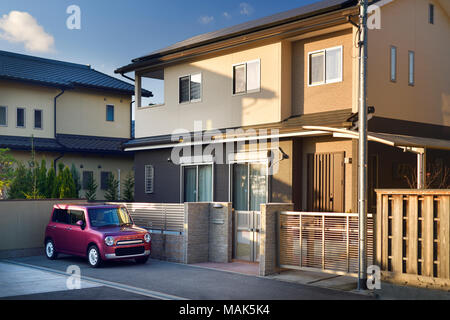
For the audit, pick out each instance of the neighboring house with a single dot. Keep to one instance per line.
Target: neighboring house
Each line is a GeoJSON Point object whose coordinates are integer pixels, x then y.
{"type": "Point", "coordinates": [76, 115]}
{"type": "Point", "coordinates": [287, 71]}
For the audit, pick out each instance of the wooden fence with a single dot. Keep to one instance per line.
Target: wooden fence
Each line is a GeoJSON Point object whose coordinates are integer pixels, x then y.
{"type": "Point", "coordinates": [413, 238]}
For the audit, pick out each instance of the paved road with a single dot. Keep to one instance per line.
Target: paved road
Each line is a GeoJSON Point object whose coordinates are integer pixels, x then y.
{"type": "Point", "coordinates": [165, 280]}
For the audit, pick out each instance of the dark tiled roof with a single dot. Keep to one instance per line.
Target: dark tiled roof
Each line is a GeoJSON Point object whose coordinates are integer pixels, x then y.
{"type": "Point", "coordinates": [65, 143]}
{"type": "Point", "coordinates": [14, 66]}
{"type": "Point", "coordinates": [281, 18]}
{"type": "Point", "coordinates": [77, 143]}
{"type": "Point", "coordinates": [335, 118]}
{"type": "Point", "coordinates": [24, 143]}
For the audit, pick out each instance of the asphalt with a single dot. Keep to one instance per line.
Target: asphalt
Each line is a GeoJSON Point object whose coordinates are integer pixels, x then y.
{"type": "Point", "coordinates": [165, 280]}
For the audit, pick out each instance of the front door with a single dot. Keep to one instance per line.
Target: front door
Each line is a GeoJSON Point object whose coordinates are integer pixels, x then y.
{"type": "Point", "coordinates": [249, 192]}
{"type": "Point", "coordinates": [326, 182]}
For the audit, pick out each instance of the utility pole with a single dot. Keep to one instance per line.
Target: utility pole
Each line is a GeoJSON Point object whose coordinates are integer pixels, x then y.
{"type": "Point", "coordinates": [362, 154]}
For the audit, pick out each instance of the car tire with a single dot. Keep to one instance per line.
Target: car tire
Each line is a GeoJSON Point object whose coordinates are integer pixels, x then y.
{"type": "Point", "coordinates": [93, 256]}
{"type": "Point", "coordinates": [50, 251]}
{"type": "Point", "coordinates": [142, 260]}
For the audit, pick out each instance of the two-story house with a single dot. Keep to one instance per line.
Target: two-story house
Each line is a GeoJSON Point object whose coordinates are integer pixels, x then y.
{"type": "Point", "coordinates": [290, 83]}
{"type": "Point", "coordinates": [75, 114]}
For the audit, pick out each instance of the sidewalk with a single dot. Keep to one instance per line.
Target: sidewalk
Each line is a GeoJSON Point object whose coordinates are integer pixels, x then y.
{"type": "Point", "coordinates": [388, 291]}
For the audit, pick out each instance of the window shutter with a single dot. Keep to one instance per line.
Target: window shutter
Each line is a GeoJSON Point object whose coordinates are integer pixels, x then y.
{"type": "Point", "coordinates": [149, 177]}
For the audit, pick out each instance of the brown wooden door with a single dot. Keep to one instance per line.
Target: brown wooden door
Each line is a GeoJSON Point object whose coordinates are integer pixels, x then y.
{"type": "Point", "coordinates": [326, 182]}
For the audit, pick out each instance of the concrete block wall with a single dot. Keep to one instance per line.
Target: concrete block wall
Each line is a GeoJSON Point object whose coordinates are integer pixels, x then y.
{"type": "Point", "coordinates": [169, 247]}
{"type": "Point", "coordinates": [208, 232]}
{"type": "Point", "coordinates": [268, 252]}
{"type": "Point", "coordinates": [196, 226]}
{"type": "Point", "coordinates": [220, 232]}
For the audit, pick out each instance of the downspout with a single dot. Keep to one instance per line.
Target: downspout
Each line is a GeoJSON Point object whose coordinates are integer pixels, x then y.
{"type": "Point", "coordinates": [54, 127]}
{"type": "Point", "coordinates": [54, 110]}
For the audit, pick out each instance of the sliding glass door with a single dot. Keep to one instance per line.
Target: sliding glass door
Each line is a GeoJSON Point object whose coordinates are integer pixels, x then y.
{"type": "Point", "coordinates": [249, 186]}
{"type": "Point", "coordinates": [198, 183]}
{"type": "Point", "coordinates": [249, 191]}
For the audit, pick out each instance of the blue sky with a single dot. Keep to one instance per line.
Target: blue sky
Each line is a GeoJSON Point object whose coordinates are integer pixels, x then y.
{"type": "Point", "coordinates": [114, 32]}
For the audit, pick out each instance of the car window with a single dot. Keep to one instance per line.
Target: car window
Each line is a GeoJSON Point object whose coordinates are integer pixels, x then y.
{"type": "Point", "coordinates": [100, 217]}
{"type": "Point", "coordinates": [61, 216]}
{"type": "Point", "coordinates": [76, 215]}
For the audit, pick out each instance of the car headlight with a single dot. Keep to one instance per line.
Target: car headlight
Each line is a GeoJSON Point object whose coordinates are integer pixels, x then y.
{"type": "Point", "coordinates": [109, 241]}
{"type": "Point", "coordinates": [147, 237]}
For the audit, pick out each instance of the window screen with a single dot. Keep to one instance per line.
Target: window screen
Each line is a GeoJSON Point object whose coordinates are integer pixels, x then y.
{"type": "Point", "coordinates": [3, 116]}
{"type": "Point", "coordinates": [109, 113]}
{"type": "Point", "coordinates": [317, 67]}
{"type": "Point", "coordinates": [105, 176]}
{"type": "Point", "coordinates": [87, 177]}
{"type": "Point", "coordinates": [196, 87]}
{"type": "Point", "coordinates": [393, 64]}
{"type": "Point", "coordinates": [411, 67]}
{"type": "Point", "coordinates": [184, 89]}
{"type": "Point", "coordinates": [20, 117]}
{"type": "Point", "coordinates": [149, 177]}
{"type": "Point", "coordinates": [253, 76]}
{"type": "Point", "coordinates": [333, 64]}
{"type": "Point", "coordinates": [38, 119]}
{"type": "Point", "coordinates": [239, 76]}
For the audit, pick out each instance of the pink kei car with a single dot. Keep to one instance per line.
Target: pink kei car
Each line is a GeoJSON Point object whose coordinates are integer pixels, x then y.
{"type": "Point", "coordinates": [97, 232]}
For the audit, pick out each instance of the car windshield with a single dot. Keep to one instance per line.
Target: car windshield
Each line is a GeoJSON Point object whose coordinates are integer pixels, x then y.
{"type": "Point", "coordinates": [102, 217]}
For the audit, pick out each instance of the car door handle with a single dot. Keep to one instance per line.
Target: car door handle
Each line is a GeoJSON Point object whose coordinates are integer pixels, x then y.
{"type": "Point", "coordinates": [68, 228]}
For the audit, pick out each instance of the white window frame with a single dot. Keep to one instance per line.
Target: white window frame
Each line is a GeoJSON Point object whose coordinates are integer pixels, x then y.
{"type": "Point", "coordinates": [244, 63]}
{"type": "Point", "coordinates": [6, 116]}
{"type": "Point", "coordinates": [339, 79]}
{"type": "Point", "coordinates": [201, 88]}
{"type": "Point", "coordinates": [42, 119]}
{"type": "Point", "coordinates": [149, 189]}
{"type": "Point", "coordinates": [390, 64]}
{"type": "Point", "coordinates": [196, 165]}
{"type": "Point", "coordinates": [24, 118]}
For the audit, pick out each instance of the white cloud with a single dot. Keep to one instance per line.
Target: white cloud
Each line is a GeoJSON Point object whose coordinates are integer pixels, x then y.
{"type": "Point", "coordinates": [21, 27]}
{"type": "Point", "coordinates": [227, 15]}
{"type": "Point", "coordinates": [246, 9]}
{"type": "Point", "coordinates": [206, 19]}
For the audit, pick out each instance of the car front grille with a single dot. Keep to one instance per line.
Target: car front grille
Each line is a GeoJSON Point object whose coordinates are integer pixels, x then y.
{"type": "Point", "coordinates": [129, 242]}
{"type": "Point", "coordinates": [129, 251]}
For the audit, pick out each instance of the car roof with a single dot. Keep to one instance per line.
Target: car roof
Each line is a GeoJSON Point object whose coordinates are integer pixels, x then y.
{"type": "Point", "coordinates": [84, 205]}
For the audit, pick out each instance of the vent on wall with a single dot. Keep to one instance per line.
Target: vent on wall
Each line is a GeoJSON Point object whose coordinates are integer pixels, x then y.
{"type": "Point", "coordinates": [149, 174]}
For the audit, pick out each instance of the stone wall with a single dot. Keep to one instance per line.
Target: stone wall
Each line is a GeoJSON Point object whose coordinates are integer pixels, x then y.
{"type": "Point", "coordinates": [268, 252]}
{"type": "Point", "coordinates": [169, 247]}
{"type": "Point", "coordinates": [208, 232]}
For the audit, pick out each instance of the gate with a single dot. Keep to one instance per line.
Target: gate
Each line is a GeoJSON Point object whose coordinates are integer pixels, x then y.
{"type": "Point", "coordinates": [322, 241]}
{"type": "Point", "coordinates": [247, 235]}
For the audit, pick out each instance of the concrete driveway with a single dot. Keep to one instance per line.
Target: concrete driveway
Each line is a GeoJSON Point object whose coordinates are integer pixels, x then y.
{"type": "Point", "coordinates": [157, 280]}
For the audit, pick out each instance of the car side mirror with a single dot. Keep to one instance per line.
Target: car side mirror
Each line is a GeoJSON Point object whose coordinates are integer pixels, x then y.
{"type": "Point", "coordinates": [80, 223]}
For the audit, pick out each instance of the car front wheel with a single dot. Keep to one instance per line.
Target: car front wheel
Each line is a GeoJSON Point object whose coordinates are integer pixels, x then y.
{"type": "Point", "coordinates": [94, 257]}
{"type": "Point", "coordinates": [50, 251]}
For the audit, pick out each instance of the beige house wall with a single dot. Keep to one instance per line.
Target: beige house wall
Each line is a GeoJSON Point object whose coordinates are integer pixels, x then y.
{"type": "Point", "coordinates": [404, 24]}
{"type": "Point", "coordinates": [108, 163]}
{"type": "Point", "coordinates": [218, 108]}
{"type": "Point", "coordinates": [16, 95]}
{"type": "Point", "coordinates": [84, 112]}
{"type": "Point", "coordinates": [80, 112]}
{"type": "Point", "coordinates": [321, 98]}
